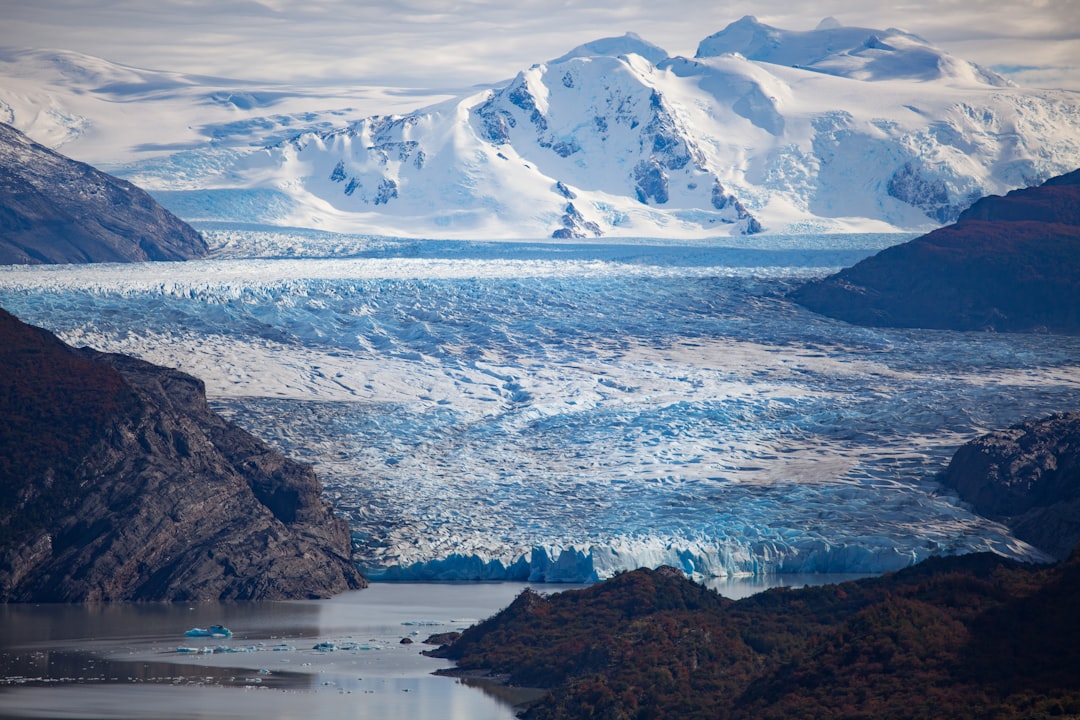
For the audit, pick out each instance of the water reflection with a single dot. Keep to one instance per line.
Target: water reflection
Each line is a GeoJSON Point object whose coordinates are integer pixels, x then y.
{"type": "Point", "coordinates": [737, 588]}
{"type": "Point", "coordinates": [121, 660]}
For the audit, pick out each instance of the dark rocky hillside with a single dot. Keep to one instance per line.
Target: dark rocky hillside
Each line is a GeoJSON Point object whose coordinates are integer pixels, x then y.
{"type": "Point", "coordinates": [118, 482]}
{"type": "Point", "coordinates": [56, 210]}
{"type": "Point", "coordinates": [1027, 477]}
{"type": "Point", "coordinates": [974, 636]}
{"type": "Point", "coordinates": [1009, 264]}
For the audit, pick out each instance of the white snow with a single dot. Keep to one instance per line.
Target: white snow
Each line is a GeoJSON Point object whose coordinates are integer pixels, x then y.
{"type": "Point", "coordinates": [838, 129]}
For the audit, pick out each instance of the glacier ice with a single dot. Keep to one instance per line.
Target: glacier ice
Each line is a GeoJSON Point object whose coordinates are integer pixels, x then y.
{"type": "Point", "coordinates": [560, 411]}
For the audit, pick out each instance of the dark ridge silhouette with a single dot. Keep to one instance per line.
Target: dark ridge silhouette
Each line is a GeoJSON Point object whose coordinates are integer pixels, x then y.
{"type": "Point", "coordinates": [1009, 264]}
{"type": "Point", "coordinates": [56, 210]}
{"type": "Point", "coordinates": [118, 482]}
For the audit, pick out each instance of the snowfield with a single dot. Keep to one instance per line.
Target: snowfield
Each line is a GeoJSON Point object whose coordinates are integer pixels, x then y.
{"type": "Point", "coordinates": [837, 129]}
{"type": "Point", "coordinates": [559, 411]}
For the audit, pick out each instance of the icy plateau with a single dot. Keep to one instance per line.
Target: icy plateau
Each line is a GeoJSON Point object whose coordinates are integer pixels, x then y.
{"type": "Point", "coordinates": [494, 410]}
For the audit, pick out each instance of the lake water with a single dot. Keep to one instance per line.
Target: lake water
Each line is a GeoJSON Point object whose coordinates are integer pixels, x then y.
{"type": "Point", "coordinates": [121, 661]}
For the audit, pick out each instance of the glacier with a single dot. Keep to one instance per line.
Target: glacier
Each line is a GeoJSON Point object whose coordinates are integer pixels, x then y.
{"type": "Point", "coordinates": [558, 411]}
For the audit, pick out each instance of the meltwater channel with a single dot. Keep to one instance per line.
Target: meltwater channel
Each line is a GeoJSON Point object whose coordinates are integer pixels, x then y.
{"type": "Point", "coordinates": [559, 412]}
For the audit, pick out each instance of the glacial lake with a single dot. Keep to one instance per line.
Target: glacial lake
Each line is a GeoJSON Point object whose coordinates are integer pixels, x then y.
{"type": "Point", "coordinates": [121, 661]}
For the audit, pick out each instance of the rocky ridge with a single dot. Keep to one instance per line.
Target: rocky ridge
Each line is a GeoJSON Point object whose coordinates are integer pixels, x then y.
{"type": "Point", "coordinates": [1009, 264]}
{"type": "Point", "coordinates": [57, 210]}
{"type": "Point", "coordinates": [118, 482]}
{"type": "Point", "coordinates": [1027, 477]}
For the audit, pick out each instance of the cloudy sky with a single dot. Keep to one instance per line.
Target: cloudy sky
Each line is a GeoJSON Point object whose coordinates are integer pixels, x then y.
{"type": "Point", "coordinates": [457, 44]}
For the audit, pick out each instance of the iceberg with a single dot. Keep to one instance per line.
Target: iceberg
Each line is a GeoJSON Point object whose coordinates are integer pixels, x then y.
{"type": "Point", "coordinates": [212, 631]}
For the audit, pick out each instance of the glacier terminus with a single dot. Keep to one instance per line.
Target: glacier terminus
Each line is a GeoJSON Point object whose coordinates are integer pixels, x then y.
{"type": "Point", "coordinates": [495, 410]}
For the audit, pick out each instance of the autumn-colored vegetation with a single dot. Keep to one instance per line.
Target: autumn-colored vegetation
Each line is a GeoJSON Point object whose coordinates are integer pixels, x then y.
{"type": "Point", "coordinates": [1009, 264]}
{"type": "Point", "coordinates": [965, 637]}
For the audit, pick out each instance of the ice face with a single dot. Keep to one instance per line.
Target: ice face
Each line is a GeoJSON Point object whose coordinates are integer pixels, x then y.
{"type": "Point", "coordinates": [559, 412]}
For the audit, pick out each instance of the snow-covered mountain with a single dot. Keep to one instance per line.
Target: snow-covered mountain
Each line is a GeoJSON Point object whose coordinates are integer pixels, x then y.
{"type": "Point", "coordinates": [111, 115]}
{"type": "Point", "coordinates": [764, 130]}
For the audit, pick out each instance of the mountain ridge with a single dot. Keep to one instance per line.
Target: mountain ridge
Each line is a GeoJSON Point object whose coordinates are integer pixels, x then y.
{"type": "Point", "coordinates": [56, 210]}
{"type": "Point", "coordinates": [1009, 264]}
{"type": "Point", "coordinates": [862, 130]}
{"type": "Point", "coordinates": [850, 128]}
{"type": "Point", "coordinates": [119, 483]}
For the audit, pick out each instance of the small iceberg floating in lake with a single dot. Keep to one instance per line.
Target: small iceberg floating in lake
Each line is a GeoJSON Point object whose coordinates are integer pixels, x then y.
{"type": "Point", "coordinates": [212, 631]}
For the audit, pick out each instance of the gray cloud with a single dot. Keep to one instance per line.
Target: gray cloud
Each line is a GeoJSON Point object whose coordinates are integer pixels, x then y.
{"type": "Point", "coordinates": [418, 43]}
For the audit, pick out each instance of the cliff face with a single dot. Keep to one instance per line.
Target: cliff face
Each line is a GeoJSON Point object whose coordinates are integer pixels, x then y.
{"type": "Point", "coordinates": [1027, 477]}
{"type": "Point", "coordinates": [118, 482]}
{"type": "Point", "coordinates": [56, 210]}
{"type": "Point", "coordinates": [1009, 264]}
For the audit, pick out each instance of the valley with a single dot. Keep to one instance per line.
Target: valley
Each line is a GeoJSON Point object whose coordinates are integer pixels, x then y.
{"type": "Point", "coordinates": [485, 411]}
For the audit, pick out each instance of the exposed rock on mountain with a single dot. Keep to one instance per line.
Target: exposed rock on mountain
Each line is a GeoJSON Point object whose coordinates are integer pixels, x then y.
{"type": "Point", "coordinates": [1027, 477]}
{"type": "Point", "coordinates": [56, 210]}
{"type": "Point", "coordinates": [117, 482]}
{"type": "Point", "coordinates": [1010, 264]}
{"type": "Point", "coordinates": [764, 130]}
{"type": "Point", "coordinates": [973, 636]}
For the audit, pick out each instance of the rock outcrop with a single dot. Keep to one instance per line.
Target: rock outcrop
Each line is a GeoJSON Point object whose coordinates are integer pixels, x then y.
{"type": "Point", "coordinates": [1027, 477]}
{"type": "Point", "coordinates": [118, 482]}
{"type": "Point", "coordinates": [56, 210]}
{"type": "Point", "coordinates": [1009, 264]}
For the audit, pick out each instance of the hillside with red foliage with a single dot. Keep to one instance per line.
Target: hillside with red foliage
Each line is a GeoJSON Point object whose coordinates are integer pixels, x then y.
{"type": "Point", "coordinates": [1009, 264]}
{"type": "Point", "coordinates": [962, 637]}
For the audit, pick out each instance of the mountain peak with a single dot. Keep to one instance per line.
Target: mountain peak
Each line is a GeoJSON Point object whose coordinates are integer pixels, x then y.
{"type": "Point", "coordinates": [850, 52]}
{"type": "Point", "coordinates": [630, 43]}
{"type": "Point", "coordinates": [57, 210]}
